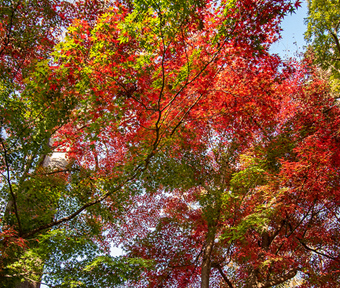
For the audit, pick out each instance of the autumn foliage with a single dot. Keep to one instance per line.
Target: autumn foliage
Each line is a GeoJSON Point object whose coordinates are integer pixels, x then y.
{"type": "Point", "coordinates": [209, 161]}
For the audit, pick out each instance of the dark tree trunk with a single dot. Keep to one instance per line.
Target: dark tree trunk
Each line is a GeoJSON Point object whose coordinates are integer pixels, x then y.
{"type": "Point", "coordinates": [206, 263]}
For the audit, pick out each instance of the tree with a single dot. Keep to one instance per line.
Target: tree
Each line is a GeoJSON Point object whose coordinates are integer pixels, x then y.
{"type": "Point", "coordinates": [323, 34]}
{"type": "Point", "coordinates": [250, 214]}
{"type": "Point", "coordinates": [161, 98]}
{"type": "Point", "coordinates": [30, 114]}
{"type": "Point", "coordinates": [125, 87]}
{"type": "Point", "coordinates": [29, 30]}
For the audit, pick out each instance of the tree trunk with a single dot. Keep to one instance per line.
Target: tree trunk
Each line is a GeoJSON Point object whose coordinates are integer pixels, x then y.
{"type": "Point", "coordinates": [213, 214]}
{"type": "Point", "coordinates": [206, 262]}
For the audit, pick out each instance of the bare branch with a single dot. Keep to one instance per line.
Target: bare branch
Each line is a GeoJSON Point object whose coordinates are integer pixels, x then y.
{"type": "Point", "coordinates": [318, 252]}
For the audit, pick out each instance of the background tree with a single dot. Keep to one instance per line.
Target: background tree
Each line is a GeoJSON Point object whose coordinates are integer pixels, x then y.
{"type": "Point", "coordinates": [31, 113]}
{"type": "Point", "coordinates": [322, 33]}
{"type": "Point", "coordinates": [29, 30]}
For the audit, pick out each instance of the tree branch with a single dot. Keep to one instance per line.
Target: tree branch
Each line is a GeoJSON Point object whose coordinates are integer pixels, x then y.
{"type": "Point", "coordinates": [335, 37]}
{"type": "Point", "coordinates": [317, 252]}
{"type": "Point", "coordinates": [8, 179]}
{"type": "Point", "coordinates": [218, 266]}
{"type": "Point", "coordinates": [278, 280]}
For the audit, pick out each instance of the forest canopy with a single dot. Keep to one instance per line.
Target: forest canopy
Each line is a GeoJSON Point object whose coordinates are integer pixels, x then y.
{"type": "Point", "coordinates": [166, 128]}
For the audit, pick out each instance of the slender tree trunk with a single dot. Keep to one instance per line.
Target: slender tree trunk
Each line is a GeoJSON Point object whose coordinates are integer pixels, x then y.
{"type": "Point", "coordinates": [213, 213]}
{"type": "Point", "coordinates": [206, 263]}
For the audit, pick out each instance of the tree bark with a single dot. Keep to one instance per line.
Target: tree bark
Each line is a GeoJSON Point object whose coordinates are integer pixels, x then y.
{"type": "Point", "coordinates": [206, 262]}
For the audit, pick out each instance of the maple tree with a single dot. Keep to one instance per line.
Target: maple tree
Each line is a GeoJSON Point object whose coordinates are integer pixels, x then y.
{"type": "Point", "coordinates": [257, 213]}
{"type": "Point", "coordinates": [178, 125]}
{"type": "Point", "coordinates": [28, 32]}
{"type": "Point", "coordinates": [30, 115]}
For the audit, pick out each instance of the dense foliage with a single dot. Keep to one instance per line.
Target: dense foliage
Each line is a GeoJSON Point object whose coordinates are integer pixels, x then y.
{"type": "Point", "coordinates": [323, 35]}
{"type": "Point", "coordinates": [168, 129]}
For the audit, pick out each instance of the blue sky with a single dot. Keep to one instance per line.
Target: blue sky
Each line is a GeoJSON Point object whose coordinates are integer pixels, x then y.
{"type": "Point", "coordinates": [292, 41]}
